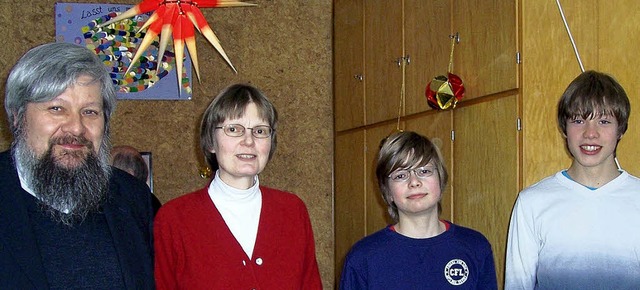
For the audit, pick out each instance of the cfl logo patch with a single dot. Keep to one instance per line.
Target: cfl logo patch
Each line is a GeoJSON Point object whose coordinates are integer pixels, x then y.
{"type": "Point", "coordinates": [456, 272]}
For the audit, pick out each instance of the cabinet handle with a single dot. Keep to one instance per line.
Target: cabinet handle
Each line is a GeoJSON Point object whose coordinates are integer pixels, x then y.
{"type": "Point", "coordinates": [406, 59]}
{"type": "Point", "coordinates": [358, 77]}
{"type": "Point", "coordinates": [455, 36]}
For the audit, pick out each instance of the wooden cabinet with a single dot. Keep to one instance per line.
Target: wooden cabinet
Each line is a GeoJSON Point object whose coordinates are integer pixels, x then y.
{"type": "Point", "coordinates": [492, 156]}
{"type": "Point", "coordinates": [407, 43]}
{"type": "Point", "coordinates": [395, 44]}
{"type": "Point", "coordinates": [385, 44]}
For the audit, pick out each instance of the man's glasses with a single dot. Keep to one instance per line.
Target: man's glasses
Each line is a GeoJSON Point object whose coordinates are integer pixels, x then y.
{"type": "Point", "coordinates": [237, 130]}
{"type": "Point", "coordinates": [402, 175]}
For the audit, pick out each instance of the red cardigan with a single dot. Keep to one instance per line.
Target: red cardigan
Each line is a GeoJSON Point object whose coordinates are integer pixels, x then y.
{"type": "Point", "coordinates": [194, 248]}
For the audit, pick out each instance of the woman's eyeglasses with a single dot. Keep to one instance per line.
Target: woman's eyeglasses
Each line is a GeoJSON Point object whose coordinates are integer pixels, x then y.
{"type": "Point", "coordinates": [237, 130]}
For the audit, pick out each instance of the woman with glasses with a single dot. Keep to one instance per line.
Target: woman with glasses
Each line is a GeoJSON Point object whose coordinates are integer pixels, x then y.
{"type": "Point", "coordinates": [419, 251]}
{"type": "Point", "coordinates": [235, 233]}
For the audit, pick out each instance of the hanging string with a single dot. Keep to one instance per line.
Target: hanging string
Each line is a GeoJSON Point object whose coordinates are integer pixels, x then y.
{"type": "Point", "coordinates": [575, 48]}
{"type": "Point", "coordinates": [402, 62]}
{"type": "Point", "coordinates": [453, 44]}
{"type": "Point", "coordinates": [402, 91]}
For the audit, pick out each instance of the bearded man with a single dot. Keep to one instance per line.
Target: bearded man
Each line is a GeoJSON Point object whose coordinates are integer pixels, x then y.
{"type": "Point", "coordinates": [67, 220]}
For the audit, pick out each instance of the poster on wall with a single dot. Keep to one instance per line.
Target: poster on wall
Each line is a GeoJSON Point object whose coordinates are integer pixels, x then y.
{"type": "Point", "coordinates": [117, 43]}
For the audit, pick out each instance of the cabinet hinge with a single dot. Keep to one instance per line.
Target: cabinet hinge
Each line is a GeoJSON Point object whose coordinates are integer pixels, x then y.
{"type": "Point", "coordinates": [453, 135]}
{"type": "Point", "coordinates": [519, 124]}
{"type": "Point", "coordinates": [518, 59]}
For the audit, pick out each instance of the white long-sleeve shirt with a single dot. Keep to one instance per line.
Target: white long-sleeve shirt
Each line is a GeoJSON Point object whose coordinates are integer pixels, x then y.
{"type": "Point", "coordinates": [565, 236]}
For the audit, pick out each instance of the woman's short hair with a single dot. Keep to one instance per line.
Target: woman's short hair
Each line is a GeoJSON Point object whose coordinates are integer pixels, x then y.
{"type": "Point", "coordinates": [406, 150]}
{"type": "Point", "coordinates": [46, 71]}
{"type": "Point", "coordinates": [231, 103]}
{"type": "Point", "coordinates": [593, 94]}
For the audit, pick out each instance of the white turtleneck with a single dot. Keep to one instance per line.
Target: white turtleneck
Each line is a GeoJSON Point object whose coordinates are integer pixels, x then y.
{"type": "Point", "coordinates": [240, 209]}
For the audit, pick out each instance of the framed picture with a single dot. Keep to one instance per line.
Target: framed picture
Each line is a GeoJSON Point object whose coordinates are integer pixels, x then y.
{"type": "Point", "coordinates": [148, 159]}
{"type": "Point", "coordinates": [153, 77]}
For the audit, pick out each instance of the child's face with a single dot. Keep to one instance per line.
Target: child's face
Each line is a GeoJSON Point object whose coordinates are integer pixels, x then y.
{"type": "Point", "coordinates": [419, 194]}
{"type": "Point", "coordinates": [592, 142]}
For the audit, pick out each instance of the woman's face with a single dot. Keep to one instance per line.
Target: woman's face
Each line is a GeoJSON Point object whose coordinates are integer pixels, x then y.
{"type": "Point", "coordinates": [240, 159]}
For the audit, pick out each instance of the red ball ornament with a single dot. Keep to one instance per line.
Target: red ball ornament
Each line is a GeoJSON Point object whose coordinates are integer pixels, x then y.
{"type": "Point", "coordinates": [444, 92]}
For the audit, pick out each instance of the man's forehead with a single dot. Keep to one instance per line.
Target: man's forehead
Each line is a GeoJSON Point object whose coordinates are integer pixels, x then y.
{"type": "Point", "coordinates": [86, 80]}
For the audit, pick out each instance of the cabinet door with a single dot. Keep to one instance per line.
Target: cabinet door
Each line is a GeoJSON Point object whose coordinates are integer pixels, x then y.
{"type": "Point", "coordinates": [437, 127]}
{"type": "Point", "coordinates": [349, 199]}
{"type": "Point", "coordinates": [485, 58]}
{"type": "Point", "coordinates": [486, 170]}
{"type": "Point", "coordinates": [427, 27]}
{"type": "Point", "coordinates": [383, 47]}
{"type": "Point", "coordinates": [348, 48]}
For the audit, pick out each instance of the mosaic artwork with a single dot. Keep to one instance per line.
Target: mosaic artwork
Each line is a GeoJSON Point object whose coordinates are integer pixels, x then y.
{"type": "Point", "coordinates": [116, 44]}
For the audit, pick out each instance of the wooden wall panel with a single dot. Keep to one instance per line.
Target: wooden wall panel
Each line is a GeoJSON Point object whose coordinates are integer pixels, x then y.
{"type": "Point", "coordinates": [485, 58]}
{"type": "Point", "coordinates": [485, 170]}
{"type": "Point", "coordinates": [383, 46]}
{"type": "Point", "coordinates": [282, 47]}
{"type": "Point", "coordinates": [548, 66]}
{"type": "Point", "coordinates": [349, 204]}
{"type": "Point", "coordinates": [348, 39]}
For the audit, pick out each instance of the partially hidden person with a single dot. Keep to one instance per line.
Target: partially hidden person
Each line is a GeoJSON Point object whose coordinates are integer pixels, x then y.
{"type": "Point", "coordinates": [129, 159]}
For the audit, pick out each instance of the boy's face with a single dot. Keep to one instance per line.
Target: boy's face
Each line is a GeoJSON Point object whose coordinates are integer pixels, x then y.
{"type": "Point", "coordinates": [592, 142]}
{"type": "Point", "coordinates": [419, 194]}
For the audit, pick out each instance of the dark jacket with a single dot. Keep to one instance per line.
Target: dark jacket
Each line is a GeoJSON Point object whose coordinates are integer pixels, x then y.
{"type": "Point", "coordinates": [129, 215]}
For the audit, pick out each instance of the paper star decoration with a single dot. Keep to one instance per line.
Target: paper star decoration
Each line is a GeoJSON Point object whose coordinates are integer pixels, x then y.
{"type": "Point", "coordinates": [177, 18]}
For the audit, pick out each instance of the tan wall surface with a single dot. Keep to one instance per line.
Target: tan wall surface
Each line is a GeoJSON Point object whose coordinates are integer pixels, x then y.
{"type": "Point", "coordinates": [282, 47]}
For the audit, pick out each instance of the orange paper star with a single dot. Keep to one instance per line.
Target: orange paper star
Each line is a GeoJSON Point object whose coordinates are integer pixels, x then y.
{"type": "Point", "coordinates": [177, 17]}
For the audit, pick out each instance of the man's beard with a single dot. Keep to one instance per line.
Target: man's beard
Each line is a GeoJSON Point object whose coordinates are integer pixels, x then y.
{"type": "Point", "coordinates": [68, 195]}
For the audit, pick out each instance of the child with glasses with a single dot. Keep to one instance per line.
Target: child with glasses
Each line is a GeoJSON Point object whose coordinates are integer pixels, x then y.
{"type": "Point", "coordinates": [235, 233]}
{"type": "Point", "coordinates": [419, 251]}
